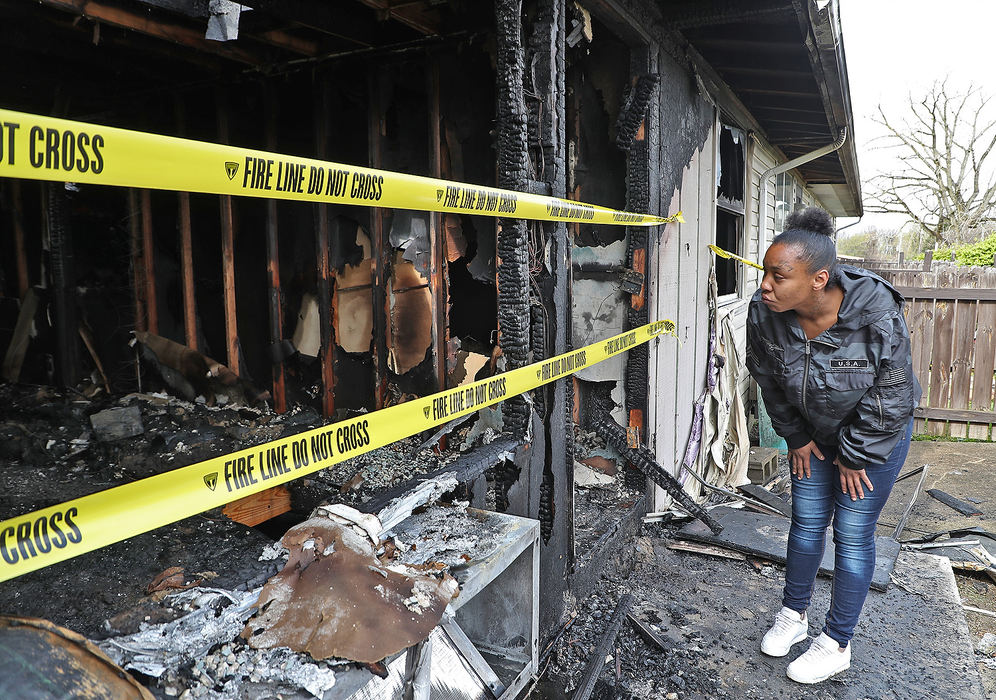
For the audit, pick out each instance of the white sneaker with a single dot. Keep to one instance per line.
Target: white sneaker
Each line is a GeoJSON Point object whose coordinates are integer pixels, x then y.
{"type": "Point", "coordinates": [789, 628]}
{"type": "Point", "coordinates": [822, 660]}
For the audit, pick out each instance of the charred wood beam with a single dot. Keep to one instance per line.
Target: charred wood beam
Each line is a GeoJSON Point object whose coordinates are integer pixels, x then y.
{"type": "Point", "coordinates": [693, 13]}
{"type": "Point", "coordinates": [597, 659]}
{"type": "Point", "coordinates": [288, 42]}
{"type": "Point", "coordinates": [634, 111]}
{"type": "Point", "coordinates": [638, 165]}
{"type": "Point", "coordinates": [380, 248]}
{"type": "Point", "coordinates": [465, 469]}
{"type": "Point", "coordinates": [198, 9]}
{"type": "Point", "coordinates": [187, 270]}
{"type": "Point", "coordinates": [648, 634]}
{"type": "Point", "coordinates": [63, 282]}
{"type": "Point", "coordinates": [324, 274]}
{"type": "Point", "coordinates": [143, 23]}
{"type": "Point", "coordinates": [330, 18]}
{"type": "Point", "coordinates": [644, 460]}
{"type": "Point", "coordinates": [149, 264]}
{"type": "Point", "coordinates": [415, 15]}
{"type": "Point", "coordinates": [276, 316]}
{"type": "Point", "coordinates": [186, 250]}
{"type": "Point", "coordinates": [137, 268]}
{"type": "Point", "coordinates": [437, 239]}
{"type": "Point", "coordinates": [228, 254]}
{"type": "Point", "coordinates": [513, 174]}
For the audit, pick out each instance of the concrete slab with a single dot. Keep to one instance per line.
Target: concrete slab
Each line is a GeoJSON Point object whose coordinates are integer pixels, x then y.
{"type": "Point", "coordinates": [964, 470]}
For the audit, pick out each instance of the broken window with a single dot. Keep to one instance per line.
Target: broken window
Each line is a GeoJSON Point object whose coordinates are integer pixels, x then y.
{"type": "Point", "coordinates": [730, 188]}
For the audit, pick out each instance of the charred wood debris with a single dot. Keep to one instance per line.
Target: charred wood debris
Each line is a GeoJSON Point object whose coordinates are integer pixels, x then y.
{"type": "Point", "coordinates": [60, 445]}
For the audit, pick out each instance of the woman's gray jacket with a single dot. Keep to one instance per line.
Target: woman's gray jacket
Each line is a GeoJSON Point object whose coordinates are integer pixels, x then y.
{"type": "Point", "coordinates": [852, 385]}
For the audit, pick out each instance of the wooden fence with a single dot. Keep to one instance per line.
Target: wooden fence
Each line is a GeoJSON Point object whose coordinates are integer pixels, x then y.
{"type": "Point", "coordinates": [951, 312]}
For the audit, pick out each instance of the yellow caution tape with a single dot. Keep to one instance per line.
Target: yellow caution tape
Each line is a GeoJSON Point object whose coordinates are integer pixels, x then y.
{"type": "Point", "coordinates": [50, 535]}
{"type": "Point", "coordinates": [732, 256]}
{"type": "Point", "coordinates": [44, 148]}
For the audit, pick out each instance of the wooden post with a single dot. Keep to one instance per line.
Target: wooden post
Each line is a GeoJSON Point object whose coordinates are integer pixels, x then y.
{"type": "Point", "coordinates": [186, 252]}
{"type": "Point", "coordinates": [381, 265]}
{"type": "Point", "coordinates": [149, 264]}
{"type": "Point", "coordinates": [228, 254]}
{"type": "Point", "coordinates": [273, 265]}
{"type": "Point", "coordinates": [902, 258]}
{"type": "Point", "coordinates": [324, 274]}
{"type": "Point", "coordinates": [17, 213]}
{"type": "Point", "coordinates": [928, 259]}
{"type": "Point", "coordinates": [137, 267]}
{"type": "Point", "coordinates": [187, 272]}
{"type": "Point", "coordinates": [437, 233]}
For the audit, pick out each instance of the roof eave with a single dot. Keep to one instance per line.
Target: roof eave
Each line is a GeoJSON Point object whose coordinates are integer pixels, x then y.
{"type": "Point", "coordinates": [825, 47]}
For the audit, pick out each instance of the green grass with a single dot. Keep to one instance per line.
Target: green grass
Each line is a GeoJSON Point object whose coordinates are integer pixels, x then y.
{"type": "Point", "coordinates": [944, 438]}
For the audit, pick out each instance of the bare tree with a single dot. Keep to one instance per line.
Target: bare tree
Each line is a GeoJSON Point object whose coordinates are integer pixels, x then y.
{"type": "Point", "coordinates": [947, 184]}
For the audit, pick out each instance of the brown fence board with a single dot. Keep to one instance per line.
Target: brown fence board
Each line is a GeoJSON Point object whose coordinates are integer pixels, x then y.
{"type": "Point", "coordinates": [985, 359]}
{"type": "Point", "coordinates": [963, 355]}
{"type": "Point", "coordinates": [951, 314]}
{"type": "Point", "coordinates": [940, 358]}
{"type": "Point", "coordinates": [921, 321]}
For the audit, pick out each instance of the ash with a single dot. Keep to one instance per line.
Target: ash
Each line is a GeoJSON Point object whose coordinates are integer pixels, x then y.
{"type": "Point", "coordinates": [445, 535]}
{"type": "Point", "coordinates": [358, 479]}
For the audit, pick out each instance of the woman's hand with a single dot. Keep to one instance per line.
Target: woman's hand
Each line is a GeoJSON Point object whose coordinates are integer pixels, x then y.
{"type": "Point", "coordinates": [851, 481]}
{"type": "Point", "coordinates": [799, 459]}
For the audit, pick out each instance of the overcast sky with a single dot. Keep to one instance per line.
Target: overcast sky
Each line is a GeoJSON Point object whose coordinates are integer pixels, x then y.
{"type": "Point", "coordinates": [895, 47]}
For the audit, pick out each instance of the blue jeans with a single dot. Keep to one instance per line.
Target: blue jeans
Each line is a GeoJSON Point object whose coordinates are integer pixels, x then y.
{"type": "Point", "coordinates": [817, 500]}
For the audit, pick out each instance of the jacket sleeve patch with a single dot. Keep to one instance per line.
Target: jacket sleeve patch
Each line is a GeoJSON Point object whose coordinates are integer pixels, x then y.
{"type": "Point", "coordinates": [892, 377]}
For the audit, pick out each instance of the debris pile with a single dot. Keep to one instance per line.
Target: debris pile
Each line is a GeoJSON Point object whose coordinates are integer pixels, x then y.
{"type": "Point", "coordinates": [635, 666]}
{"type": "Point", "coordinates": [335, 598]}
{"type": "Point", "coordinates": [601, 498]}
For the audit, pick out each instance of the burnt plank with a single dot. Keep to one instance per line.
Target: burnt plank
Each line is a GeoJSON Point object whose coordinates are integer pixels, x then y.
{"type": "Point", "coordinates": [766, 536]}
{"type": "Point", "coordinates": [767, 498]}
{"type": "Point", "coordinates": [963, 507]}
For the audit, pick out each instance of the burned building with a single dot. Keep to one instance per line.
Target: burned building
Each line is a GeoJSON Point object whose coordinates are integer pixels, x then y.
{"type": "Point", "coordinates": [731, 113]}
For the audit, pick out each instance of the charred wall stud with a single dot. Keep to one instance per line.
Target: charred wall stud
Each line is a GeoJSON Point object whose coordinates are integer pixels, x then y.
{"type": "Point", "coordinates": [186, 249]}
{"type": "Point", "coordinates": [228, 254]}
{"type": "Point", "coordinates": [513, 174]}
{"type": "Point", "coordinates": [381, 258]}
{"type": "Point", "coordinates": [136, 264]}
{"type": "Point", "coordinates": [323, 282]}
{"type": "Point", "coordinates": [634, 125]}
{"type": "Point", "coordinates": [60, 241]}
{"type": "Point", "coordinates": [437, 234]}
{"type": "Point", "coordinates": [149, 263]}
{"type": "Point", "coordinates": [276, 317]}
{"type": "Point", "coordinates": [550, 267]}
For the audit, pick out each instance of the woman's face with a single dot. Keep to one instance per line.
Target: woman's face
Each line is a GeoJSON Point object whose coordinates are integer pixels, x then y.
{"type": "Point", "coordinates": [787, 283]}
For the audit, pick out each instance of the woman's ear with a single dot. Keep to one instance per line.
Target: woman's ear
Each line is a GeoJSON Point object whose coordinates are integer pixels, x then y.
{"type": "Point", "coordinates": [820, 279]}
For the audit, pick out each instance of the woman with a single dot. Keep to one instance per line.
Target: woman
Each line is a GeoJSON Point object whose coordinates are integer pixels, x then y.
{"type": "Point", "coordinates": [830, 351]}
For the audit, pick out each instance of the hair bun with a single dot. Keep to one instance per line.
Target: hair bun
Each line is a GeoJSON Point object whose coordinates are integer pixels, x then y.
{"type": "Point", "coordinates": [811, 219]}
